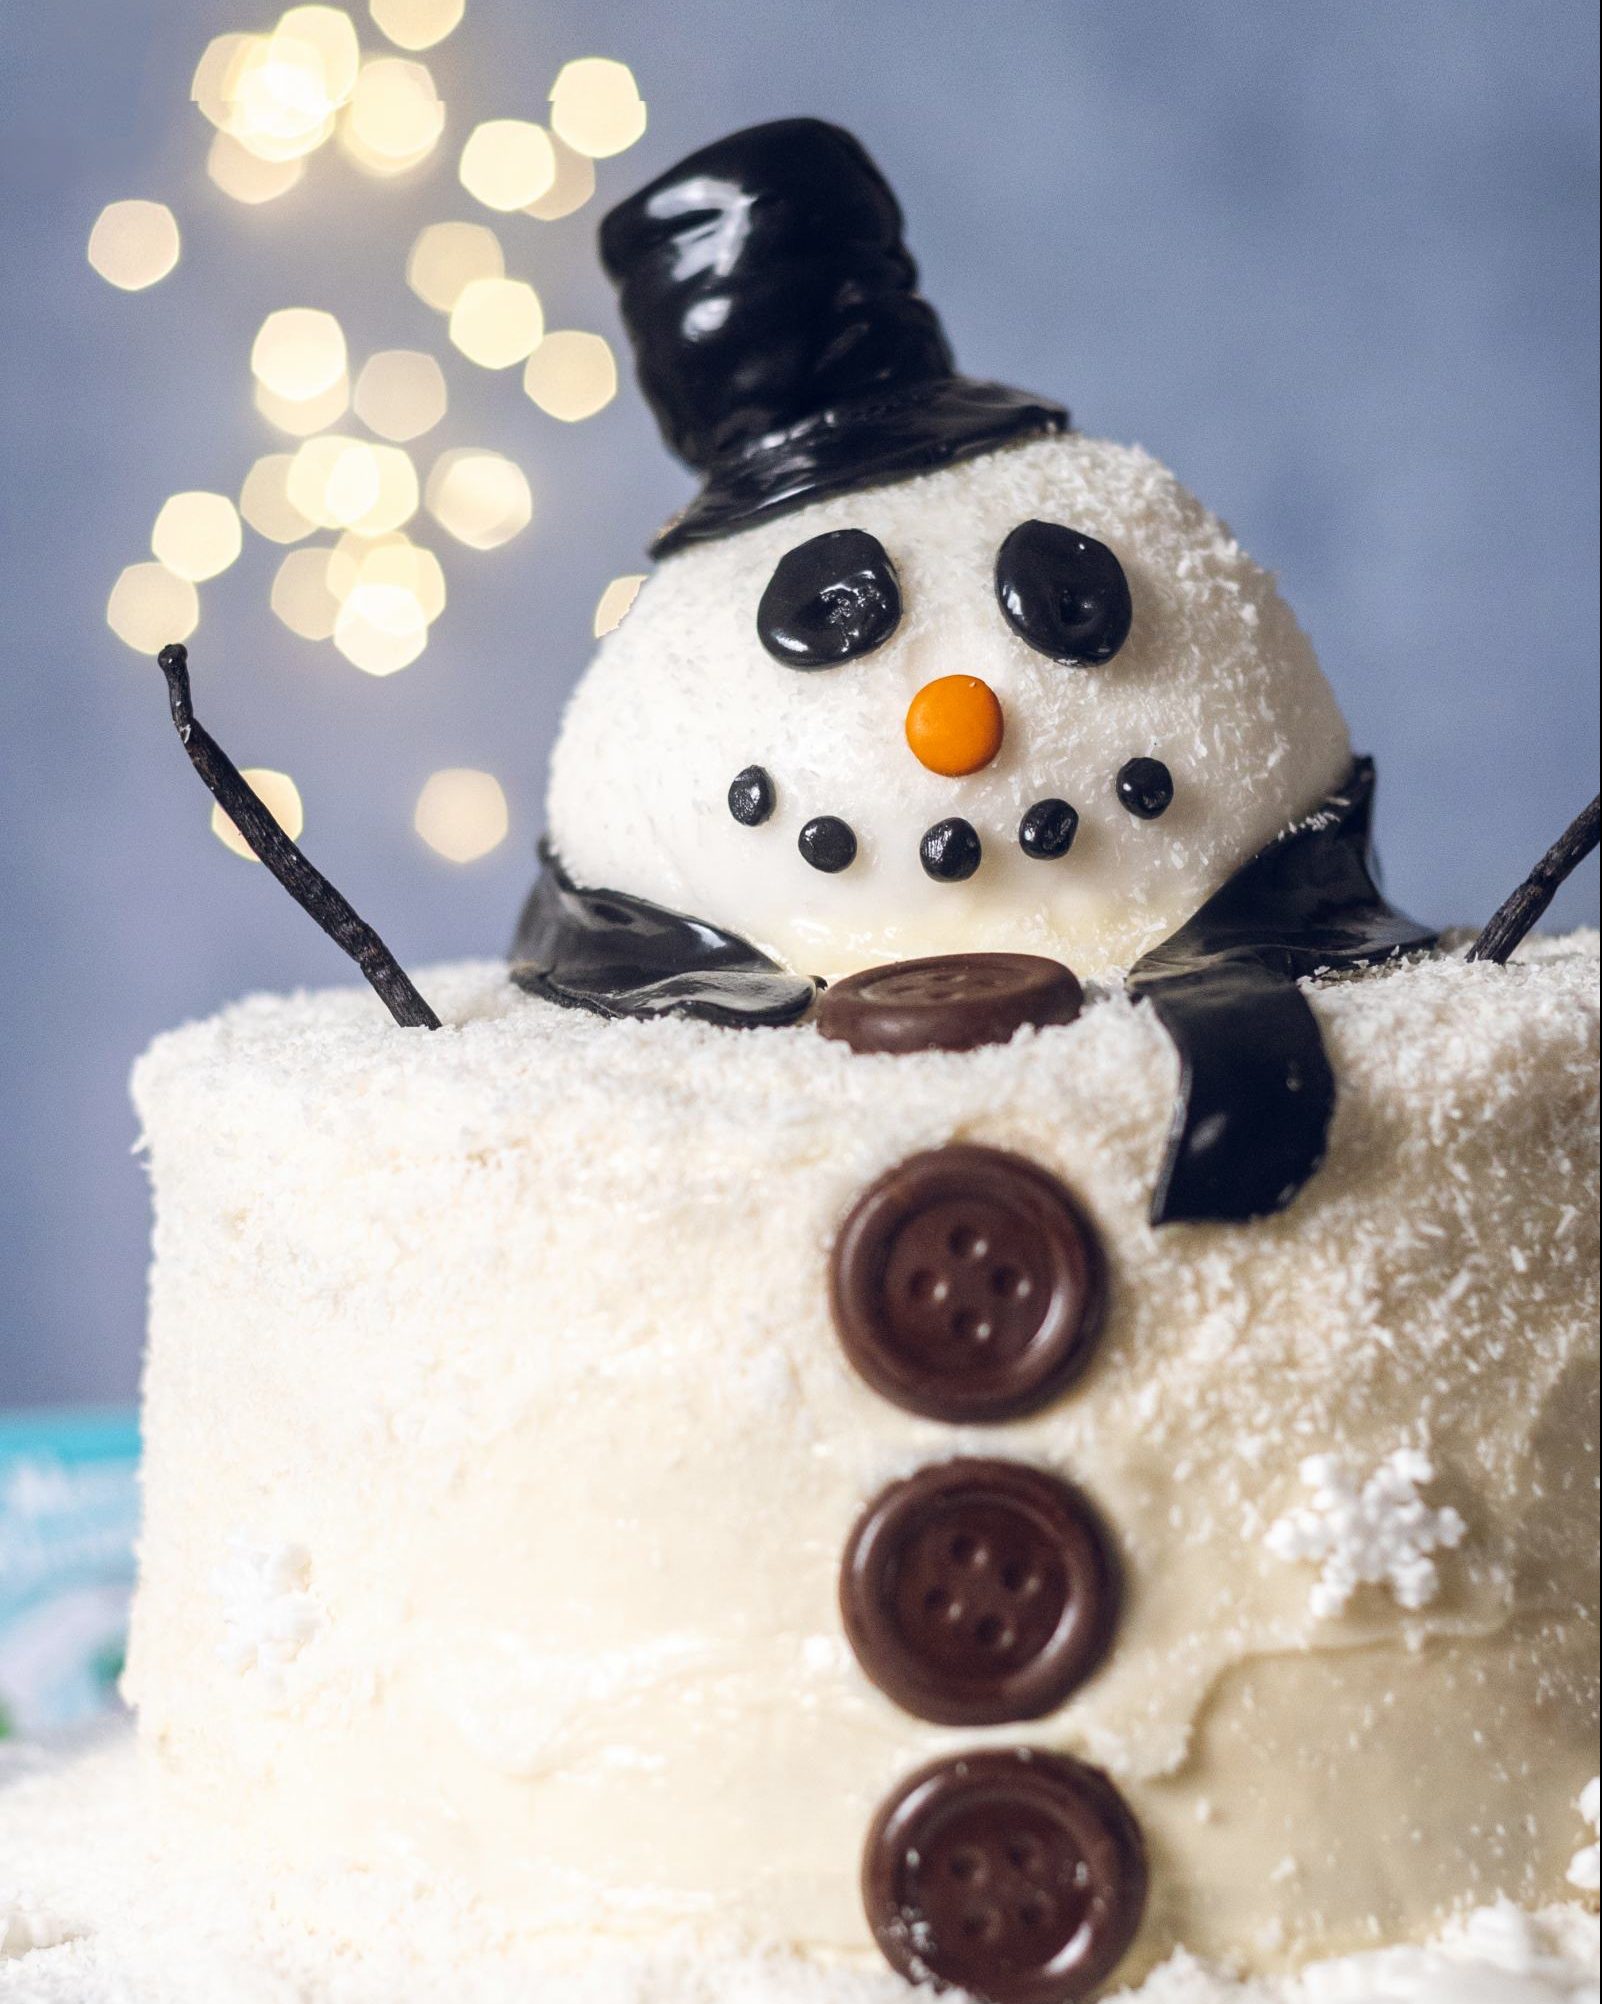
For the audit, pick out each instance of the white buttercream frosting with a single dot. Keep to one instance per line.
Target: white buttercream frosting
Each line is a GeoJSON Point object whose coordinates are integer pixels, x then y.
{"type": "Point", "coordinates": [519, 1333]}
{"type": "Point", "coordinates": [1216, 680]}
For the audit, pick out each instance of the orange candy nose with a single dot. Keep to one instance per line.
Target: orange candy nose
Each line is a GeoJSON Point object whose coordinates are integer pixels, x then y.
{"type": "Point", "coordinates": [955, 725]}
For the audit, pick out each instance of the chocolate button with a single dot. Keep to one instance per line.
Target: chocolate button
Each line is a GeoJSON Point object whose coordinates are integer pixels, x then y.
{"type": "Point", "coordinates": [955, 1002]}
{"type": "Point", "coordinates": [1019, 1877]}
{"type": "Point", "coordinates": [967, 1285]}
{"type": "Point", "coordinates": [979, 1593]}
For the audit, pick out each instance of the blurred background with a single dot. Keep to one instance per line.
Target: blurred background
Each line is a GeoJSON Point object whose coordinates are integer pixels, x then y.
{"type": "Point", "coordinates": [1336, 265]}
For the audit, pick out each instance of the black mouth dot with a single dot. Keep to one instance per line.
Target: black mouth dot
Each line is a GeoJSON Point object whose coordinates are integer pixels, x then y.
{"type": "Point", "coordinates": [1047, 831]}
{"type": "Point", "coordinates": [751, 796]}
{"type": "Point", "coordinates": [1146, 787]}
{"type": "Point", "coordinates": [951, 851]}
{"type": "Point", "coordinates": [828, 844]}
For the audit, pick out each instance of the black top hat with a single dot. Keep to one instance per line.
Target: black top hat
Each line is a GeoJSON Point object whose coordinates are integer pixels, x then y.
{"type": "Point", "coordinates": [779, 335]}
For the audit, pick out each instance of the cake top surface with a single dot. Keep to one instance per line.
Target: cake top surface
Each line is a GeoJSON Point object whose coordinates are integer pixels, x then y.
{"type": "Point", "coordinates": [336, 1047]}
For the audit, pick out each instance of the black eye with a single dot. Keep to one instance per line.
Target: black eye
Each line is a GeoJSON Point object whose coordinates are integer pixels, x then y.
{"type": "Point", "coordinates": [829, 600]}
{"type": "Point", "coordinates": [1146, 787]}
{"type": "Point", "coordinates": [1063, 592]}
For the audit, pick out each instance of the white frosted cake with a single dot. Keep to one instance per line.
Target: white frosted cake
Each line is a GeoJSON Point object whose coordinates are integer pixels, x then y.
{"type": "Point", "coordinates": [743, 1463]}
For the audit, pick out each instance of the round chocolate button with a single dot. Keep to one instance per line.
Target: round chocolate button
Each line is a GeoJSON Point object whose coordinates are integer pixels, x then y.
{"type": "Point", "coordinates": [955, 1002]}
{"type": "Point", "coordinates": [967, 1285]}
{"type": "Point", "coordinates": [979, 1593]}
{"type": "Point", "coordinates": [1019, 1877]}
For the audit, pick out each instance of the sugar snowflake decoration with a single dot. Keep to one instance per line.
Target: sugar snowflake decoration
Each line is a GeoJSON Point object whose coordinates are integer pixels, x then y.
{"type": "Point", "coordinates": [1586, 1871]}
{"type": "Point", "coordinates": [1375, 1533]}
{"type": "Point", "coordinates": [269, 1613]}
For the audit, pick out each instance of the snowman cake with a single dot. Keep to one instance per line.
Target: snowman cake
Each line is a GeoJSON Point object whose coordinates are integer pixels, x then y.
{"type": "Point", "coordinates": [980, 1375]}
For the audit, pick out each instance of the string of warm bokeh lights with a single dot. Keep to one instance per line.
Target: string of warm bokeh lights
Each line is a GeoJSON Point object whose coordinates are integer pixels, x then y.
{"type": "Point", "coordinates": [342, 496]}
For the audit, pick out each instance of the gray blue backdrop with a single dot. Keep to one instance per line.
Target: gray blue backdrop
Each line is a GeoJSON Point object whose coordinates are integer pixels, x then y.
{"type": "Point", "coordinates": [1334, 263]}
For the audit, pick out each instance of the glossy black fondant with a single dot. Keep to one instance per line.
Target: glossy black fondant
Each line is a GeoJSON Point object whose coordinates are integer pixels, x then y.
{"type": "Point", "coordinates": [1048, 829]}
{"type": "Point", "coordinates": [779, 334]}
{"type": "Point", "coordinates": [1145, 787]}
{"type": "Point", "coordinates": [831, 598]}
{"type": "Point", "coordinates": [1064, 593]}
{"type": "Point", "coordinates": [951, 851]}
{"type": "Point", "coordinates": [828, 844]}
{"type": "Point", "coordinates": [751, 797]}
{"type": "Point", "coordinates": [620, 956]}
{"type": "Point", "coordinates": [1256, 1090]}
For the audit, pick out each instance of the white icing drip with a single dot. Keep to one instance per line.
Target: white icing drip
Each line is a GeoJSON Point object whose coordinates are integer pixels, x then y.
{"type": "Point", "coordinates": [1375, 1533]}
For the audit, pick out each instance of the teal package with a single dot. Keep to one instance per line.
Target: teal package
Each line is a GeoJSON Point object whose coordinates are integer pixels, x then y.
{"type": "Point", "coordinates": [69, 1518]}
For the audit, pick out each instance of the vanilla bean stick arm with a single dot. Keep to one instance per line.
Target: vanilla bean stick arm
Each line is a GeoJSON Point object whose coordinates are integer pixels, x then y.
{"type": "Point", "coordinates": [310, 889]}
{"type": "Point", "coordinates": [1525, 908]}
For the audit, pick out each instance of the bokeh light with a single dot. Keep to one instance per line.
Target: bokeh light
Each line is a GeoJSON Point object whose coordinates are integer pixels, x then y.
{"type": "Point", "coordinates": [449, 257]}
{"type": "Point", "coordinates": [299, 353]}
{"type": "Point", "coordinates": [572, 188]}
{"type": "Point", "coordinates": [134, 244]}
{"type": "Point", "coordinates": [337, 482]}
{"type": "Point", "coordinates": [380, 628]}
{"type": "Point", "coordinates": [596, 107]}
{"type": "Point", "coordinates": [197, 535]}
{"type": "Point", "coordinates": [333, 480]}
{"type": "Point", "coordinates": [245, 176]}
{"type": "Point", "coordinates": [394, 561]}
{"type": "Point", "coordinates": [571, 375]}
{"type": "Point", "coordinates": [397, 497]}
{"type": "Point", "coordinates": [400, 393]}
{"type": "Point", "coordinates": [265, 504]}
{"type": "Point", "coordinates": [212, 85]}
{"type": "Point", "coordinates": [302, 417]}
{"type": "Point", "coordinates": [331, 33]}
{"type": "Point", "coordinates": [615, 603]}
{"type": "Point", "coordinates": [461, 814]}
{"type": "Point", "coordinates": [149, 608]}
{"type": "Point", "coordinates": [508, 163]}
{"type": "Point", "coordinates": [482, 498]}
{"type": "Point", "coordinates": [497, 322]}
{"type": "Point", "coordinates": [417, 24]}
{"type": "Point", "coordinates": [278, 94]}
{"type": "Point", "coordinates": [394, 119]}
{"type": "Point", "coordinates": [280, 796]}
{"type": "Point", "coordinates": [301, 594]}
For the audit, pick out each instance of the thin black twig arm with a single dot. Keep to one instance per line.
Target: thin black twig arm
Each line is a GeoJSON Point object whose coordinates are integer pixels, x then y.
{"type": "Point", "coordinates": [1527, 904]}
{"type": "Point", "coordinates": [310, 889]}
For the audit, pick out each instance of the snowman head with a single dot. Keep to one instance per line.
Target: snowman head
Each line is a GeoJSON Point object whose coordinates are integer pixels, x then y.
{"type": "Point", "coordinates": [920, 670]}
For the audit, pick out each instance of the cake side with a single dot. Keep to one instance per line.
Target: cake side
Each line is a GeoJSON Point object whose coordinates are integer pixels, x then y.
{"type": "Point", "coordinates": [502, 1453]}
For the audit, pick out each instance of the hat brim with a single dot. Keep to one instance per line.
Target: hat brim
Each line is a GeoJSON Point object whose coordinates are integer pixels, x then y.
{"type": "Point", "coordinates": [865, 444]}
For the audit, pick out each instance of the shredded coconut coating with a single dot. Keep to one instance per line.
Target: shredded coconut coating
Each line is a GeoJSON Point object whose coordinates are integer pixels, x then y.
{"type": "Point", "coordinates": [519, 1333]}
